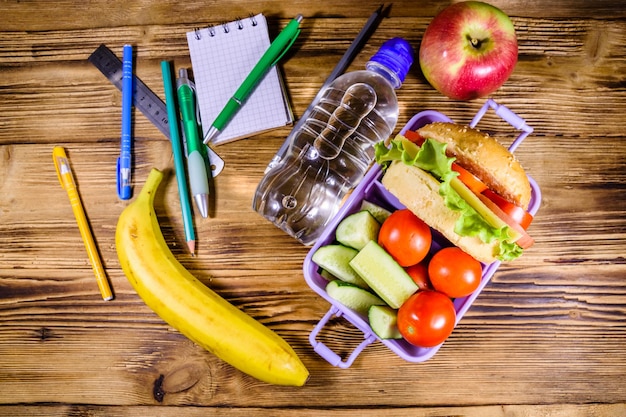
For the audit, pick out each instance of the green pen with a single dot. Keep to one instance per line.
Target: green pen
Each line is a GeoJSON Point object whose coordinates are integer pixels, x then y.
{"type": "Point", "coordinates": [196, 159]}
{"type": "Point", "coordinates": [277, 49]}
{"type": "Point", "coordinates": [177, 149]}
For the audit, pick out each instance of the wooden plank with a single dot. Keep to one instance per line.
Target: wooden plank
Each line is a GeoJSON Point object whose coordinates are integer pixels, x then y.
{"type": "Point", "coordinates": [86, 360]}
{"type": "Point", "coordinates": [66, 15]}
{"type": "Point", "coordinates": [56, 92]}
{"type": "Point", "coordinates": [566, 410]}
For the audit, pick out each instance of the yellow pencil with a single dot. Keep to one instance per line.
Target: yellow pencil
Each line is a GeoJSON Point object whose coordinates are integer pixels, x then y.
{"type": "Point", "coordinates": [66, 179]}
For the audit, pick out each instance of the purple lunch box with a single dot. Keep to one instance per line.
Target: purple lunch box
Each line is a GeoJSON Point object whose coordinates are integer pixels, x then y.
{"type": "Point", "coordinates": [372, 190]}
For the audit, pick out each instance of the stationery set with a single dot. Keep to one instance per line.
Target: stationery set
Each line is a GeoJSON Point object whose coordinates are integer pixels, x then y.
{"type": "Point", "coordinates": [238, 92]}
{"type": "Point", "coordinates": [225, 88]}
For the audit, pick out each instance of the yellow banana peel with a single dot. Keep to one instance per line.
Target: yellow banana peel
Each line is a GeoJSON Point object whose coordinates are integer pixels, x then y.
{"type": "Point", "coordinates": [191, 307]}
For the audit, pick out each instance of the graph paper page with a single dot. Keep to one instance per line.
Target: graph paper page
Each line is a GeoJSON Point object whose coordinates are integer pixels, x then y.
{"type": "Point", "coordinates": [222, 56]}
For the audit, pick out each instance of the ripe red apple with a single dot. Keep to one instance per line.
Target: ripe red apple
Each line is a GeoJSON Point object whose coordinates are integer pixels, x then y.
{"type": "Point", "coordinates": [468, 50]}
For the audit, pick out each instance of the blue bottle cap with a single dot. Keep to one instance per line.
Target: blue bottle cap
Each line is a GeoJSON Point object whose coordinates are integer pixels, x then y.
{"type": "Point", "coordinates": [396, 55]}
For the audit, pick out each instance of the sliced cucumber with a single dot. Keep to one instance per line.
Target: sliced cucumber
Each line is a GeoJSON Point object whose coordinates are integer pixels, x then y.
{"type": "Point", "coordinates": [335, 259]}
{"type": "Point", "coordinates": [327, 275]}
{"type": "Point", "coordinates": [357, 229]}
{"type": "Point", "coordinates": [375, 210]}
{"type": "Point", "coordinates": [352, 296]}
{"type": "Point", "coordinates": [480, 207]}
{"type": "Point", "coordinates": [383, 274]}
{"type": "Point", "coordinates": [384, 322]}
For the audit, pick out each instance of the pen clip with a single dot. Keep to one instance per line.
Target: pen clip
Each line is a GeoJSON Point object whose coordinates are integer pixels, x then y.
{"type": "Point", "coordinates": [183, 137]}
{"type": "Point", "coordinates": [287, 47]}
{"type": "Point", "coordinates": [61, 164]}
{"type": "Point", "coordinates": [195, 93]}
{"type": "Point", "coordinates": [123, 187]}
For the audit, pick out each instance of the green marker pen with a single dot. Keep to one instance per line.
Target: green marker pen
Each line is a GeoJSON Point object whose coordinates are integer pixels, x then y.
{"type": "Point", "coordinates": [196, 159]}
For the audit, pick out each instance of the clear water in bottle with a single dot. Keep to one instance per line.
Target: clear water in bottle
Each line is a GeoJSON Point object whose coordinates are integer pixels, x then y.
{"type": "Point", "coordinates": [329, 155]}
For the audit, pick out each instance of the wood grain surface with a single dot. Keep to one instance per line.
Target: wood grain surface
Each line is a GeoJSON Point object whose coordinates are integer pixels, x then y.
{"type": "Point", "coordinates": [546, 337]}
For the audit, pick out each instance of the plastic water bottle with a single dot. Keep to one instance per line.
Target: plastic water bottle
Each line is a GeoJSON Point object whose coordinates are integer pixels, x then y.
{"type": "Point", "coordinates": [329, 155]}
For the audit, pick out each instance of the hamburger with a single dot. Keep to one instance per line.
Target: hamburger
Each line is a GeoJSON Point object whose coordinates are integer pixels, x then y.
{"type": "Point", "coordinates": [464, 184]}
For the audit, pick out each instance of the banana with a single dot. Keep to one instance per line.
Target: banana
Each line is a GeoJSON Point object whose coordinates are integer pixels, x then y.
{"type": "Point", "coordinates": [192, 308]}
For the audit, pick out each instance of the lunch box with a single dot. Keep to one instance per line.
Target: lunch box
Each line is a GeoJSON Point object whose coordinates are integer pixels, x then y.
{"type": "Point", "coordinates": [371, 189]}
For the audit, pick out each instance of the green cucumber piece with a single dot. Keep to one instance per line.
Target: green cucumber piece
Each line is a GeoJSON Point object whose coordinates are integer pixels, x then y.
{"type": "Point", "coordinates": [384, 322]}
{"type": "Point", "coordinates": [327, 275]}
{"type": "Point", "coordinates": [379, 213]}
{"type": "Point", "coordinates": [383, 274]}
{"type": "Point", "coordinates": [357, 229]}
{"type": "Point", "coordinates": [335, 259]}
{"type": "Point", "coordinates": [351, 296]}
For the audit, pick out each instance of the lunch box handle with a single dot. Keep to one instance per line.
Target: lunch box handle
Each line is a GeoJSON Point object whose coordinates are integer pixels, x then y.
{"type": "Point", "coordinates": [508, 116]}
{"type": "Point", "coordinates": [326, 353]}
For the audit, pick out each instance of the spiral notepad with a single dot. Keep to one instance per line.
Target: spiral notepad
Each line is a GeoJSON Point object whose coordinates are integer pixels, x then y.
{"type": "Point", "coordinates": [222, 56]}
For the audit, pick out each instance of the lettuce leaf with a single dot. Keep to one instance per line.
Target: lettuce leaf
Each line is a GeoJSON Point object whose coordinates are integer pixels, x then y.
{"type": "Point", "coordinates": [431, 157]}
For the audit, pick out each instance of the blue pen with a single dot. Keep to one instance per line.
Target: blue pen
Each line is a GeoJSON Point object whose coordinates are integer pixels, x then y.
{"type": "Point", "coordinates": [124, 160]}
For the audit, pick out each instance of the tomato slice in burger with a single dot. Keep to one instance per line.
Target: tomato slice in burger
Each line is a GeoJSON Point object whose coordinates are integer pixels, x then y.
{"type": "Point", "coordinates": [469, 179]}
{"type": "Point", "coordinates": [414, 137]}
{"type": "Point", "coordinates": [518, 214]}
{"type": "Point", "coordinates": [525, 241]}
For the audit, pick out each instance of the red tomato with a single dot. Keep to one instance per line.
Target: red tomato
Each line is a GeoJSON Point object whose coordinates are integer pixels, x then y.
{"type": "Point", "coordinates": [414, 137]}
{"type": "Point", "coordinates": [518, 214]}
{"type": "Point", "coordinates": [405, 237]}
{"type": "Point", "coordinates": [469, 179]}
{"type": "Point", "coordinates": [525, 241]}
{"type": "Point", "coordinates": [419, 275]}
{"type": "Point", "coordinates": [454, 272]}
{"type": "Point", "coordinates": [426, 319]}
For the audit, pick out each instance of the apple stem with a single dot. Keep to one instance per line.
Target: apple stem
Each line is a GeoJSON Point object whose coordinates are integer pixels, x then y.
{"type": "Point", "coordinates": [475, 42]}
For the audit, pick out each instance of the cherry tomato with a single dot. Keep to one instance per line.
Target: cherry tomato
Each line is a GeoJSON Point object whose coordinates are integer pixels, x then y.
{"type": "Point", "coordinates": [405, 237]}
{"type": "Point", "coordinates": [469, 179]}
{"type": "Point", "coordinates": [419, 275]}
{"type": "Point", "coordinates": [454, 272]}
{"type": "Point", "coordinates": [517, 213]}
{"type": "Point", "coordinates": [426, 319]}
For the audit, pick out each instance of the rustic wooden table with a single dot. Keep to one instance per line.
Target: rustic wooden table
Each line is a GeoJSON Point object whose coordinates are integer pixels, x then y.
{"type": "Point", "coordinates": [547, 336]}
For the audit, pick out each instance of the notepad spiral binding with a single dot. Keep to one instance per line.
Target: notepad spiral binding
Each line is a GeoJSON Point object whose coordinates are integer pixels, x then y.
{"type": "Point", "coordinates": [226, 26]}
